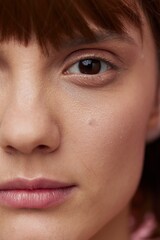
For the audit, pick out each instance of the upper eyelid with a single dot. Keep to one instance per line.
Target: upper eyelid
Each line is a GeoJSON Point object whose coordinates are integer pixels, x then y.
{"type": "Point", "coordinates": [100, 54]}
{"type": "Point", "coordinates": [88, 51]}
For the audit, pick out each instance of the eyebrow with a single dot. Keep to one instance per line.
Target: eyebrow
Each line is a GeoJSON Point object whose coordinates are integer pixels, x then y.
{"type": "Point", "coordinates": [99, 37]}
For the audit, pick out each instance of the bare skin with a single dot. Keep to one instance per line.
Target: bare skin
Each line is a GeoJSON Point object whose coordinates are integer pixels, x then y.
{"type": "Point", "coordinates": [93, 129]}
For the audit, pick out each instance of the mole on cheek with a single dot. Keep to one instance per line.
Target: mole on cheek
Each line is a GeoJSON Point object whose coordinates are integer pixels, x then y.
{"type": "Point", "coordinates": [92, 122]}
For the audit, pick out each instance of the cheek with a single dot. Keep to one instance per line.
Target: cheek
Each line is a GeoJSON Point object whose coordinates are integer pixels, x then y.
{"type": "Point", "coordinates": [110, 147]}
{"type": "Point", "coordinates": [105, 158]}
{"type": "Point", "coordinates": [108, 131]}
{"type": "Point", "coordinates": [107, 149]}
{"type": "Point", "coordinates": [110, 134]}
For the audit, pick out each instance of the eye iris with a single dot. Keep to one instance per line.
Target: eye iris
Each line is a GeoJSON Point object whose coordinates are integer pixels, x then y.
{"type": "Point", "coordinates": [90, 66]}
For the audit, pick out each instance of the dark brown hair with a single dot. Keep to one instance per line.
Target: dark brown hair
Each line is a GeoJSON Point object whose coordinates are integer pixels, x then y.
{"type": "Point", "coordinates": [52, 21]}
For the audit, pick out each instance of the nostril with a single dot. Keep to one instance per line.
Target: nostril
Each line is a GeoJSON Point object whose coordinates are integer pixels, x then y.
{"type": "Point", "coordinates": [43, 148]}
{"type": "Point", "coordinates": [10, 149]}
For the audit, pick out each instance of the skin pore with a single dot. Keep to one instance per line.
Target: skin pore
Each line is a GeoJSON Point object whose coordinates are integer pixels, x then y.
{"type": "Point", "coordinates": [94, 128]}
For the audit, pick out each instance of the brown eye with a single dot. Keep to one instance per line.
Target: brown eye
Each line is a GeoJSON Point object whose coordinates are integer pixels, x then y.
{"type": "Point", "coordinates": [90, 67]}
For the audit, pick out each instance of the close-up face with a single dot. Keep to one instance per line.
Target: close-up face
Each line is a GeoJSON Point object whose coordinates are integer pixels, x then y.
{"type": "Point", "coordinates": [73, 128]}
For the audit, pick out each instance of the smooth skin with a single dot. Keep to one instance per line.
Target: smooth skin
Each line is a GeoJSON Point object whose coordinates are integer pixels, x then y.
{"type": "Point", "coordinates": [93, 129]}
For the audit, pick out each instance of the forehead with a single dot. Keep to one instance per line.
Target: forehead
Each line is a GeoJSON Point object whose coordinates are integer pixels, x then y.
{"type": "Point", "coordinates": [55, 21]}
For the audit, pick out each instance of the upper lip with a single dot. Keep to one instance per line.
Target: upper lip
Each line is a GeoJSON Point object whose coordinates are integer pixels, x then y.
{"type": "Point", "coordinates": [38, 183]}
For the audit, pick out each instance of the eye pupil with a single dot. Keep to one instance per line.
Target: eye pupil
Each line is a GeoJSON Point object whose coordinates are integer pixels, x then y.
{"type": "Point", "coordinates": [90, 66]}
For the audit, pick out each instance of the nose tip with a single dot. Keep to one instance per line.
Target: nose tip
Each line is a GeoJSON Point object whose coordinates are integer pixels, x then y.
{"type": "Point", "coordinates": [29, 134]}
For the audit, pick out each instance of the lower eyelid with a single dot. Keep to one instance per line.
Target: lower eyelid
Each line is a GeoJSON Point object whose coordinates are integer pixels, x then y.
{"type": "Point", "coordinates": [98, 80]}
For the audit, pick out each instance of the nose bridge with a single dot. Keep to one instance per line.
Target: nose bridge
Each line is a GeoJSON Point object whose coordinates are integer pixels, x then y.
{"type": "Point", "coordinates": [27, 123]}
{"type": "Point", "coordinates": [26, 91]}
{"type": "Point", "coordinates": [26, 103]}
{"type": "Point", "coordinates": [25, 113]}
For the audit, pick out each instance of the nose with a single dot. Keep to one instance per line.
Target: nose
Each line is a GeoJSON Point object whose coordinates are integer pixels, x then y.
{"type": "Point", "coordinates": [27, 130]}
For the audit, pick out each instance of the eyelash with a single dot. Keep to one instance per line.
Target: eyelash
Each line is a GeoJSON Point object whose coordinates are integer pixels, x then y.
{"type": "Point", "coordinates": [107, 73]}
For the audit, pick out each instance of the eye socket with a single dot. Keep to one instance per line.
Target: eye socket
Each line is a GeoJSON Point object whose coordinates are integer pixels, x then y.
{"type": "Point", "coordinates": [90, 66]}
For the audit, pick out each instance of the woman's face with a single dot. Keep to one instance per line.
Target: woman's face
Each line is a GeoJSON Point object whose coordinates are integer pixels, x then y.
{"type": "Point", "coordinates": [80, 117]}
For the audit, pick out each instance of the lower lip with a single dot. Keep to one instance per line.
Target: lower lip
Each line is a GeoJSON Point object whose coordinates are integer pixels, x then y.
{"type": "Point", "coordinates": [38, 198]}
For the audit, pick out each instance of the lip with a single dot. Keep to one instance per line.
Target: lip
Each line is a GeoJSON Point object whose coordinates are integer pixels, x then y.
{"type": "Point", "coordinates": [38, 193]}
